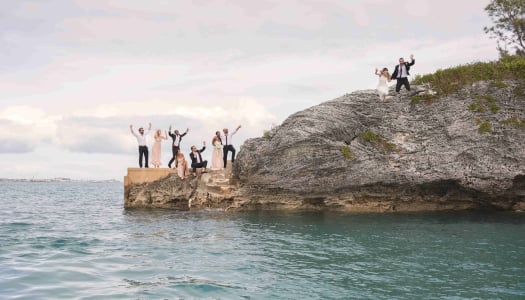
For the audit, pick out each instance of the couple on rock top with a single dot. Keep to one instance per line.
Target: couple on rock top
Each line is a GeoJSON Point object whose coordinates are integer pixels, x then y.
{"type": "Point", "coordinates": [401, 73]}
{"type": "Point", "coordinates": [222, 145]}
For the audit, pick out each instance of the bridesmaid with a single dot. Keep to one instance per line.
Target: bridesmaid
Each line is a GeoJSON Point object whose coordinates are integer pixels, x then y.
{"type": "Point", "coordinates": [216, 155]}
{"type": "Point", "coordinates": [155, 157]}
{"type": "Point", "coordinates": [182, 165]}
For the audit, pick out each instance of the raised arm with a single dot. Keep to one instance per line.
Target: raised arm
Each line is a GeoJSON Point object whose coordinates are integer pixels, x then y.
{"type": "Point", "coordinates": [238, 127]}
{"type": "Point", "coordinates": [203, 146]}
{"type": "Point", "coordinates": [187, 129]}
{"type": "Point", "coordinates": [377, 72]}
{"type": "Point", "coordinates": [412, 60]}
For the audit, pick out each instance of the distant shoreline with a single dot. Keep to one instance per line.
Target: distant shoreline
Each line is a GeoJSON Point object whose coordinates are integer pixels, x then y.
{"type": "Point", "coordinates": [58, 179]}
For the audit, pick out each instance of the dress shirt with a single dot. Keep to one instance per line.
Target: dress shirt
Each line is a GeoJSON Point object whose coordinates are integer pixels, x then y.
{"type": "Point", "coordinates": [228, 138]}
{"type": "Point", "coordinates": [402, 71]}
{"type": "Point", "coordinates": [141, 138]}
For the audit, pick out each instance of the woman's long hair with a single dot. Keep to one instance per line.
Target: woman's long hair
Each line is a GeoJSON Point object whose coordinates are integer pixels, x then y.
{"type": "Point", "coordinates": [157, 134]}
{"type": "Point", "coordinates": [216, 137]}
{"type": "Point", "coordinates": [387, 73]}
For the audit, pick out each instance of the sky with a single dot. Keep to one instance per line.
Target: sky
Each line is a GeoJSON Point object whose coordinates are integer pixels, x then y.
{"type": "Point", "coordinates": [75, 74]}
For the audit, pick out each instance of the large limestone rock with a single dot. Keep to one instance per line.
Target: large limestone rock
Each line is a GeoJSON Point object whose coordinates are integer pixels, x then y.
{"type": "Point", "coordinates": [357, 153]}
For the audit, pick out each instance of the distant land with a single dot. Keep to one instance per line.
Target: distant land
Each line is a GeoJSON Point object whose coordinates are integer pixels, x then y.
{"type": "Point", "coordinates": [56, 179]}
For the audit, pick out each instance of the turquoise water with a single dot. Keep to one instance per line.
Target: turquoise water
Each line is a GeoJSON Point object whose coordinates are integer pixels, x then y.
{"type": "Point", "coordinates": [70, 240]}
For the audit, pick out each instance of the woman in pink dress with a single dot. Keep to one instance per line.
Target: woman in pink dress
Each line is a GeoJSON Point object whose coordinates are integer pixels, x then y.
{"type": "Point", "coordinates": [155, 156]}
{"type": "Point", "coordinates": [216, 154]}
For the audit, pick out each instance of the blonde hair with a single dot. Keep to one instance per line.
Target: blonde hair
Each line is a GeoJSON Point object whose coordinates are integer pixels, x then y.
{"type": "Point", "coordinates": [157, 133]}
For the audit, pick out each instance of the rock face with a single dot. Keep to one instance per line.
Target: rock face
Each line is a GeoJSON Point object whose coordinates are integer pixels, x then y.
{"type": "Point", "coordinates": [463, 151]}
{"type": "Point", "coordinates": [209, 190]}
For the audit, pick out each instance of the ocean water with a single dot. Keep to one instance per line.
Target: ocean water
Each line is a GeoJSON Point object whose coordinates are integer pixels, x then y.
{"type": "Point", "coordinates": [74, 240]}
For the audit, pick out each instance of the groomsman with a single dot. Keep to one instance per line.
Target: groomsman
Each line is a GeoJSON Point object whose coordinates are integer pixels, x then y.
{"type": "Point", "coordinates": [401, 73]}
{"type": "Point", "coordinates": [196, 158]}
{"type": "Point", "coordinates": [227, 140]}
{"type": "Point", "coordinates": [175, 145]}
{"type": "Point", "coordinates": [143, 147]}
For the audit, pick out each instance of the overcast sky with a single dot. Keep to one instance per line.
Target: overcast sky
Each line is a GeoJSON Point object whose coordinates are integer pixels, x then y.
{"type": "Point", "coordinates": [75, 74]}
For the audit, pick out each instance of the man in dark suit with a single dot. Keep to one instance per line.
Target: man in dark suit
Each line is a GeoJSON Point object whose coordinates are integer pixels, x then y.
{"type": "Point", "coordinates": [196, 158]}
{"type": "Point", "coordinates": [175, 145]}
{"type": "Point", "coordinates": [401, 73]}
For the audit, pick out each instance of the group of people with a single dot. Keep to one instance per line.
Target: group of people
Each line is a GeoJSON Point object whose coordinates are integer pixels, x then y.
{"type": "Point", "coordinates": [222, 145]}
{"type": "Point", "coordinates": [401, 73]}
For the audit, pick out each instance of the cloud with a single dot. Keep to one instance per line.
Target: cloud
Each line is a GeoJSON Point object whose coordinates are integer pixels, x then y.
{"type": "Point", "coordinates": [15, 146]}
{"type": "Point", "coordinates": [77, 73]}
{"type": "Point", "coordinates": [105, 128]}
{"type": "Point", "coordinates": [24, 128]}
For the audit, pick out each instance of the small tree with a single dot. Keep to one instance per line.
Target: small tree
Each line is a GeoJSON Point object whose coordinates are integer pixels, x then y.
{"type": "Point", "coordinates": [509, 25]}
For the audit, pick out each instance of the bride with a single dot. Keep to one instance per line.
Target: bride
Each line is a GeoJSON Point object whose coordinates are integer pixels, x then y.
{"type": "Point", "coordinates": [382, 86]}
{"type": "Point", "coordinates": [216, 155]}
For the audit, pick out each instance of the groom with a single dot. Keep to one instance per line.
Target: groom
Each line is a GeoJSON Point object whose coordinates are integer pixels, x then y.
{"type": "Point", "coordinates": [227, 146]}
{"type": "Point", "coordinates": [401, 73]}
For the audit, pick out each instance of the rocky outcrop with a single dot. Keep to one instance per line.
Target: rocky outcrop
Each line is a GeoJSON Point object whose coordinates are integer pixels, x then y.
{"type": "Point", "coordinates": [462, 151]}
{"type": "Point", "coordinates": [414, 152]}
{"type": "Point", "coordinates": [209, 190]}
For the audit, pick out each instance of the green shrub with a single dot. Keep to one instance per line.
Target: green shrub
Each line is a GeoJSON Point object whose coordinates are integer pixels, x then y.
{"type": "Point", "coordinates": [476, 107]}
{"type": "Point", "coordinates": [266, 134]}
{"type": "Point", "coordinates": [482, 102]}
{"type": "Point", "coordinates": [519, 91]}
{"type": "Point", "coordinates": [494, 108]}
{"type": "Point", "coordinates": [450, 80]}
{"type": "Point", "coordinates": [371, 137]}
{"type": "Point", "coordinates": [485, 127]}
{"type": "Point", "coordinates": [426, 98]}
{"type": "Point", "coordinates": [514, 121]}
{"type": "Point", "coordinates": [347, 154]}
{"type": "Point", "coordinates": [498, 84]}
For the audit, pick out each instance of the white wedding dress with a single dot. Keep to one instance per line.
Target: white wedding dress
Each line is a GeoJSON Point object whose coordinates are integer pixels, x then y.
{"type": "Point", "coordinates": [382, 87]}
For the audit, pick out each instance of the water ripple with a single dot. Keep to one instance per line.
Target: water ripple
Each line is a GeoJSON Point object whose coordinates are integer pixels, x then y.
{"type": "Point", "coordinates": [69, 240]}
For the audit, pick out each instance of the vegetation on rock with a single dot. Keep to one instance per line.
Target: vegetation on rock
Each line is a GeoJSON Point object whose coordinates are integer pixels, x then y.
{"type": "Point", "coordinates": [484, 126]}
{"type": "Point", "coordinates": [481, 103]}
{"type": "Point", "coordinates": [514, 121]}
{"type": "Point", "coordinates": [347, 154]}
{"type": "Point", "coordinates": [451, 80]}
{"type": "Point", "coordinates": [372, 137]}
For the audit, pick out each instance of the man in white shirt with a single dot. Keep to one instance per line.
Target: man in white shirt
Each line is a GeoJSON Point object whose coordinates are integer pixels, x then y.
{"type": "Point", "coordinates": [143, 147]}
{"type": "Point", "coordinates": [227, 140]}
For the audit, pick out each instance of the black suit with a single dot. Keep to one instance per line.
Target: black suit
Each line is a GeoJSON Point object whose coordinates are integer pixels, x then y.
{"type": "Point", "coordinates": [194, 163]}
{"type": "Point", "coordinates": [174, 149]}
{"type": "Point", "coordinates": [402, 80]}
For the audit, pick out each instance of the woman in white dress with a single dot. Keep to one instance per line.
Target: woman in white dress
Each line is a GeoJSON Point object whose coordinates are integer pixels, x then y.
{"type": "Point", "coordinates": [216, 155]}
{"type": "Point", "coordinates": [382, 86]}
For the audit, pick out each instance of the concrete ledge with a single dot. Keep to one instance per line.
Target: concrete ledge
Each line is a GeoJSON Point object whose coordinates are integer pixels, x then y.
{"type": "Point", "coordinates": [142, 175]}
